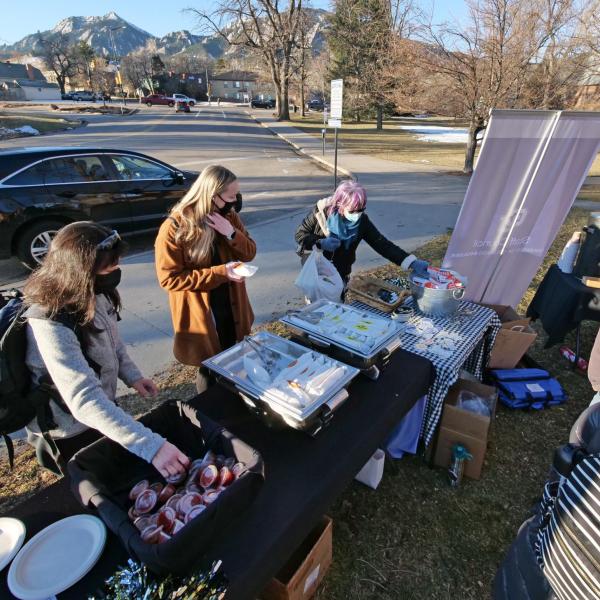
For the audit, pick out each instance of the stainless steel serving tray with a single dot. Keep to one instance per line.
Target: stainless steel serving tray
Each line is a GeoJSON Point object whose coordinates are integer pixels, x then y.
{"type": "Point", "coordinates": [299, 322]}
{"type": "Point", "coordinates": [230, 369]}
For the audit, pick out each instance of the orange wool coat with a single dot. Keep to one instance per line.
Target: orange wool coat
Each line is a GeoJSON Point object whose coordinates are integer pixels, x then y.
{"type": "Point", "coordinates": [189, 285]}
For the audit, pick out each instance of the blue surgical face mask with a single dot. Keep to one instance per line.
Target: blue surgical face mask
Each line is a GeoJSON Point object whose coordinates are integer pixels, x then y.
{"type": "Point", "coordinates": [353, 217]}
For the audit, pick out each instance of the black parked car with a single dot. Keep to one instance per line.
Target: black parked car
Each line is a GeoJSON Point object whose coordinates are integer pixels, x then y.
{"type": "Point", "coordinates": [263, 103]}
{"type": "Point", "coordinates": [42, 189]}
{"type": "Point", "coordinates": [315, 104]}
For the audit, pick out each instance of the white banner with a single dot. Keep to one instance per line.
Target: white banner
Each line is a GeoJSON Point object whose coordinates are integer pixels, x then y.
{"type": "Point", "coordinates": [530, 169]}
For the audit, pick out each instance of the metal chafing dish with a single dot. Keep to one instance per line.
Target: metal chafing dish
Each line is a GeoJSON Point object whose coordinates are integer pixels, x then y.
{"type": "Point", "coordinates": [284, 382]}
{"type": "Point", "coordinates": [351, 335]}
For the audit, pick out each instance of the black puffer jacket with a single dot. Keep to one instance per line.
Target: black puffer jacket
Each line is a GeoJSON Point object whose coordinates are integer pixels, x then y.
{"type": "Point", "coordinates": [314, 228]}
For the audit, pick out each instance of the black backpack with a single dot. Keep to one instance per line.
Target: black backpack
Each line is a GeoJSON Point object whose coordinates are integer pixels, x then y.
{"type": "Point", "coordinates": [20, 401]}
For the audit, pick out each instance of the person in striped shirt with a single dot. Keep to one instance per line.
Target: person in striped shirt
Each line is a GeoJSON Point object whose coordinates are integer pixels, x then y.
{"type": "Point", "coordinates": [557, 551]}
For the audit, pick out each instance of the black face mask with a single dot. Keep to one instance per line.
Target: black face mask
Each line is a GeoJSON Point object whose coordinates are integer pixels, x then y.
{"type": "Point", "coordinates": [107, 283]}
{"type": "Point", "coordinates": [237, 205]}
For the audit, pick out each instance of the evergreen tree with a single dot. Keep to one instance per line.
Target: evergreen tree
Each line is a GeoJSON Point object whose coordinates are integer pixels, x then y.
{"type": "Point", "coordinates": [359, 38]}
{"type": "Point", "coordinates": [84, 55]}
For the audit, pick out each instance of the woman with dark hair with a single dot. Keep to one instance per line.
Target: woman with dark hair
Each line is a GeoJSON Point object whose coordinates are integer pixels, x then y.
{"type": "Point", "coordinates": [73, 342]}
{"type": "Point", "coordinates": [337, 225]}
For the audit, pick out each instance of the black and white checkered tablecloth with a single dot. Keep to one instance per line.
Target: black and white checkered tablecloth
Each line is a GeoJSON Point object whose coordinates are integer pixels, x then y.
{"type": "Point", "coordinates": [476, 328]}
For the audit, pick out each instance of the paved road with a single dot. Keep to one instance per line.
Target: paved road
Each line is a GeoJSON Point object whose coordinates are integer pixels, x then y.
{"type": "Point", "coordinates": [275, 179]}
{"type": "Point", "coordinates": [278, 188]}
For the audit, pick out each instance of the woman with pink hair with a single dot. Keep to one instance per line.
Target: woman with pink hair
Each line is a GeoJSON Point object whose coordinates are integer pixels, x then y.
{"type": "Point", "coordinates": [337, 224]}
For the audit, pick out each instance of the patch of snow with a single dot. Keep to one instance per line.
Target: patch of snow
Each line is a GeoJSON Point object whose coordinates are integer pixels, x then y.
{"type": "Point", "coordinates": [439, 134]}
{"type": "Point", "coordinates": [27, 129]}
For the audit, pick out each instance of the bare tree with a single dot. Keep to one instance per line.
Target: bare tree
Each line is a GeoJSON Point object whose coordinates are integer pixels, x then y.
{"type": "Point", "coordinates": [58, 56]}
{"type": "Point", "coordinates": [588, 35]}
{"type": "Point", "coordinates": [485, 63]}
{"type": "Point", "coordinates": [318, 75]}
{"type": "Point", "coordinates": [137, 71]}
{"type": "Point", "coordinates": [555, 73]}
{"type": "Point", "coordinates": [264, 28]}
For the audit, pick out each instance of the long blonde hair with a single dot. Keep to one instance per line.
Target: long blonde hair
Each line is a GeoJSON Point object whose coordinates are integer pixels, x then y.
{"type": "Point", "coordinates": [194, 234]}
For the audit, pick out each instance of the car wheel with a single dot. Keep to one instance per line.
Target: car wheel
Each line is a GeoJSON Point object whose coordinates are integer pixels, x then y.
{"type": "Point", "coordinates": [148, 103]}
{"type": "Point", "coordinates": [192, 103]}
{"type": "Point", "coordinates": [32, 245]}
{"type": "Point", "coordinates": [171, 104]}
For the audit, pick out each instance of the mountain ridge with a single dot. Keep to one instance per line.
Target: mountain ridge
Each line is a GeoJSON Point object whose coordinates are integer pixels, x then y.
{"type": "Point", "coordinates": [111, 35]}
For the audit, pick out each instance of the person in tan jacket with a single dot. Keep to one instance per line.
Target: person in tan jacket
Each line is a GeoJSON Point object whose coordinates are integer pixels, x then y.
{"type": "Point", "coordinates": [197, 249]}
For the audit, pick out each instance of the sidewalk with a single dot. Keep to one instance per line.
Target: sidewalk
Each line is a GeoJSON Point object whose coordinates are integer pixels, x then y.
{"type": "Point", "coordinates": [409, 203]}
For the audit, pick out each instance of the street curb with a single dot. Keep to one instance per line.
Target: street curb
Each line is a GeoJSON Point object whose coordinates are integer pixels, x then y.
{"type": "Point", "coordinates": [321, 161]}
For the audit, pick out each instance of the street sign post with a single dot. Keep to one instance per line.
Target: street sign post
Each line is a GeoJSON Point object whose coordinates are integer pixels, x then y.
{"type": "Point", "coordinates": [335, 119]}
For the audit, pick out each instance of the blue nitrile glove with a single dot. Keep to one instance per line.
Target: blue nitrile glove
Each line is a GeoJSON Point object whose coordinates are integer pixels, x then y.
{"type": "Point", "coordinates": [329, 244]}
{"type": "Point", "coordinates": [419, 268]}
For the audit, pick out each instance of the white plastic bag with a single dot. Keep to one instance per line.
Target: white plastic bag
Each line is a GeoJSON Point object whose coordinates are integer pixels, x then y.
{"type": "Point", "coordinates": [320, 279]}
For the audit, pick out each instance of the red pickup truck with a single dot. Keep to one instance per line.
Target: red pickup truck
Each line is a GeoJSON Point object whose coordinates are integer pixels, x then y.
{"type": "Point", "coordinates": [158, 99]}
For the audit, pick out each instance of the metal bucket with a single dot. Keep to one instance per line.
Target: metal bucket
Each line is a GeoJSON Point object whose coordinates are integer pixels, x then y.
{"type": "Point", "coordinates": [437, 303]}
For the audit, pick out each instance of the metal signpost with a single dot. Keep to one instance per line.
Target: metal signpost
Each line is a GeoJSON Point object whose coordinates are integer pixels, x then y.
{"type": "Point", "coordinates": [335, 120]}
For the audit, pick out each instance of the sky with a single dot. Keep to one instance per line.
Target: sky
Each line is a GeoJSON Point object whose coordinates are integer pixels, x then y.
{"type": "Point", "coordinates": [158, 17]}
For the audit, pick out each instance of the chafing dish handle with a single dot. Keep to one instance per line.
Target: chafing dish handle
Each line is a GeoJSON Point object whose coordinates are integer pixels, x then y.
{"type": "Point", "coordinates": [245, 394]}
{"type": "Point", "coordinates": [391, 347]}
{"type": "Point", "coordinates": [317, 342]}
{"type": "Point", "coordinates": [337, 400]}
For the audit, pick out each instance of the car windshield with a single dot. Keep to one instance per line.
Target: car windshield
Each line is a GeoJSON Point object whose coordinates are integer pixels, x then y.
{"type": "Point", "coordinates": [134, 167]}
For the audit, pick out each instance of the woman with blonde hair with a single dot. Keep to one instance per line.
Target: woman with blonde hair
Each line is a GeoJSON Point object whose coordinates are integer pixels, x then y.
{"type": "Point", "coordinates": [197, 248]}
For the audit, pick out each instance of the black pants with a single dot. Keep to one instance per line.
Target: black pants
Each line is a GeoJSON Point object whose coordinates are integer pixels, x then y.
{"type": "Point", "coordinates": [56, 460]}
{"type": "Point", "coordinates": [227, 339]}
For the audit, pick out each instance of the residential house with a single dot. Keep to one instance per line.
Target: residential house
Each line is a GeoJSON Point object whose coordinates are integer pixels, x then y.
{"type": "Point", "coordinates": [190, 84]}
{"type": "Point", "coordinates": [588, 90]}
{"type": "Point", "coordinates": [25, 82]}
{"type": "Point", "coordinates": [239, 86]}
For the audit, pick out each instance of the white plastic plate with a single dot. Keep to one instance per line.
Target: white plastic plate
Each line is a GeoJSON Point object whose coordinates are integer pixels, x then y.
{"type": "Point", "coordinates": [245, 270]}
{"type": "Point", "coordinates": [57, 557]}
{"type": "Point", "coordinates": [12, 535]}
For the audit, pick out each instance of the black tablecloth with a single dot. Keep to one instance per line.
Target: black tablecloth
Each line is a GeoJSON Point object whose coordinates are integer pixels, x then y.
{"type": "Point", "coordinates": [562, 301]}
{"type": "Point", "coordinates": [304, 476]}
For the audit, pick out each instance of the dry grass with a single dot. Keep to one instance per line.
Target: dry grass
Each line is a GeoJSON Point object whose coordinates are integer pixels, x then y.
{"type": "Point", "coordinates": [397, 144]}
{"type": "Point", "coordinates": [42, 124]}
{"type": "Point", "coordinates": [415, 537]}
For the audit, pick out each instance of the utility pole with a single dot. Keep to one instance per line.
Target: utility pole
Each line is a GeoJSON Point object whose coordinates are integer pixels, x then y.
{"type": "Point", "coordinates": [207, 85]}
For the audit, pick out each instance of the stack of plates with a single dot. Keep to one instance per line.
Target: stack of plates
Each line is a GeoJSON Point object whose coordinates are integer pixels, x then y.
{"type": "Point", "coordinates": [56, 558]}
{"type": "Point", "coordinates": [12, 535]}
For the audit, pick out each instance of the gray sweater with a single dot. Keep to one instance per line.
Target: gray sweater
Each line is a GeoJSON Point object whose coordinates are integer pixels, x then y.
{"type": "Point", "coordinates": [54, 349]}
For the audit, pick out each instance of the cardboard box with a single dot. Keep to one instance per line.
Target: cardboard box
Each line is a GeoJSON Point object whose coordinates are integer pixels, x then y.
{"type": "Point", "coordinates": [459, 426]}
{"type": "Point", "coordinates": [513, 340]}
{"type": "Point", "coordinates": [303, 573]}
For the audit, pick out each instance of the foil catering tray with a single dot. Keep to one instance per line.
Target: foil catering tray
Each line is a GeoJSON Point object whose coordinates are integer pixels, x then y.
{"type": "Point", "coordinates": [352, 335]}
{"type": "Point", "coordinates": [284, 382]}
